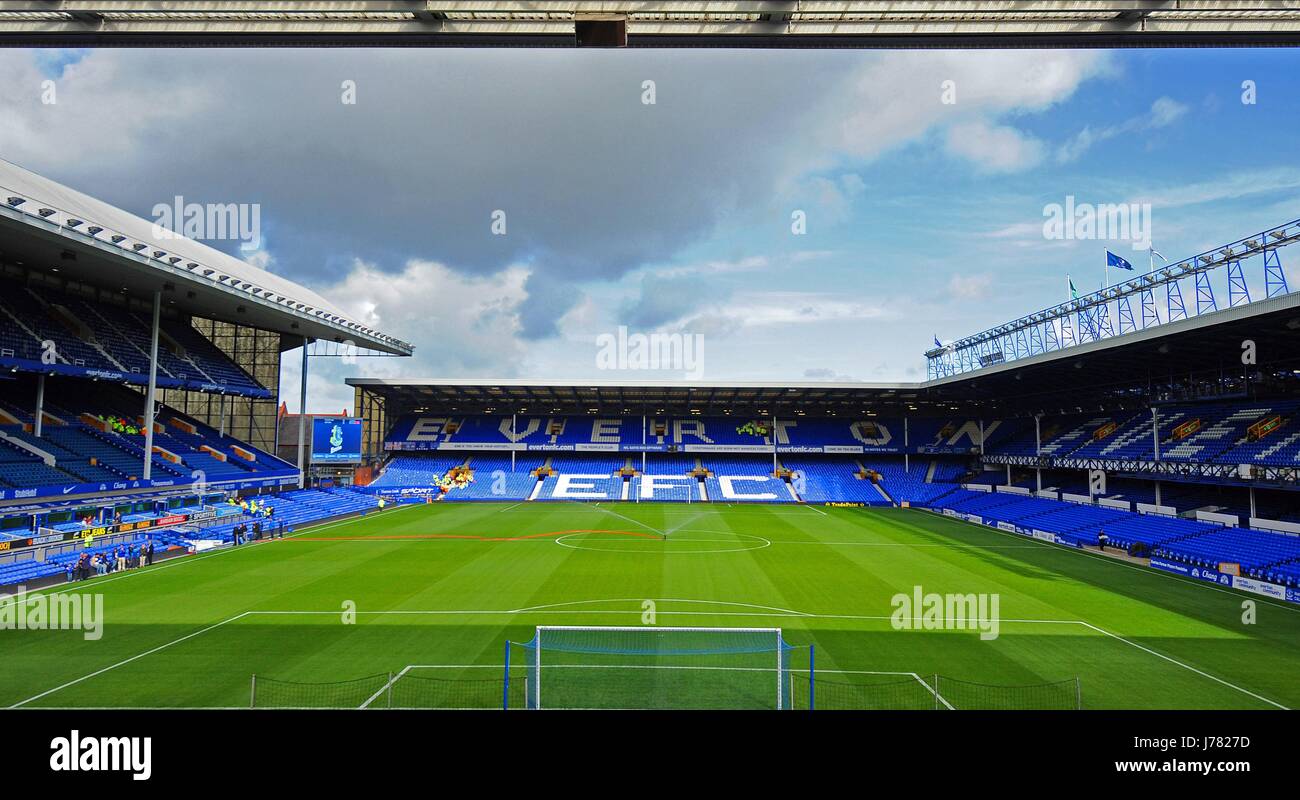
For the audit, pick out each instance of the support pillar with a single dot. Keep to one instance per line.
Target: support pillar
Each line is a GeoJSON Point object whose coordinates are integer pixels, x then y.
{"type": "Point", "coordinates": [773, 444]}
{"type": "Point", "coordinates": [1038, 448]}
{"type": "Point", "coordinates": [1155, 431]}
{"type": "Point", "coordinates": [153, 388]}
{"type": "Point", "coordinates": [907, 461]}
{"type": "Point", "coordinates": [302, 421]}
{"type": "Point", "coordinates": [40, 405]}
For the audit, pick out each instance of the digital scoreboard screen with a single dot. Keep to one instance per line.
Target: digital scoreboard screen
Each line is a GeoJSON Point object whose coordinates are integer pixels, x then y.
{"type": "Point", "coordinates": [336, 440]}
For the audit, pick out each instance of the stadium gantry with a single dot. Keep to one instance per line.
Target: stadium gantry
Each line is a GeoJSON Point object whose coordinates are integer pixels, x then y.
{"type": "Point", "coordinates": [1082, 320]}
{"type": "Point", "coordinates": [637, 23]}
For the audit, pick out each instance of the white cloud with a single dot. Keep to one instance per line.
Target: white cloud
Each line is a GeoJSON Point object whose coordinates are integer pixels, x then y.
{"type": "Point", "coordinates": [461, 326]}
{"type": "Point", "coordinates": [1164, 112]}
{"type": "Point", "coordinates": [825, 374]}
{"type": "Point", "coordinates": [994, 148]}
{"type": "Point", "coordinates": [898, 96]}
{"type": "Point", "coordinates": [970, 287]}
{"type": "Point", "coordinates": [1226, 187]}
{"type": "Point", "coordinates": [779, 309]}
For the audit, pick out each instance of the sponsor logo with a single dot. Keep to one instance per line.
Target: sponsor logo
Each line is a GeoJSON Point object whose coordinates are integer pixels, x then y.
{"type": "Point", "coordinates": [1259, 587]}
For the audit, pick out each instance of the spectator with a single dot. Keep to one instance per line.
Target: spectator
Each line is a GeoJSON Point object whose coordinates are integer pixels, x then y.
{"type": "Point", "coordinates": [71, 571]}
{"type": "Point", "coordinates": [1102, 539]}
{"type": "Point", "coordinates": [148, 553]}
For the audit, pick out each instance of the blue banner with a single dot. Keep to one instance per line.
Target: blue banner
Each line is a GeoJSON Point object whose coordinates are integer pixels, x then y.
{"type": "Point", "coordinates": [276, 478]}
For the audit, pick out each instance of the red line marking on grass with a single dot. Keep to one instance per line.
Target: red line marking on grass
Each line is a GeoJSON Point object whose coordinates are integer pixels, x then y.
{"type": "Point", "coordinates": [474, 537]}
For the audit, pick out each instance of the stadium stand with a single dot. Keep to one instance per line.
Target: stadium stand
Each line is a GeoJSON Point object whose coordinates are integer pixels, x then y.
{"type": "Point", "coordinates": [95, 335]}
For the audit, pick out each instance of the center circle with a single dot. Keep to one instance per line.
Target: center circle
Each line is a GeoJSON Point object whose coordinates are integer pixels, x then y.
{"type": "Point", "coordinates": [674, 544]}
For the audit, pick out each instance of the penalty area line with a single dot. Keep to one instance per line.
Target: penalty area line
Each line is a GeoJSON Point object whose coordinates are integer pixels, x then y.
{"type": "Point", "coordinates": [125, 661]}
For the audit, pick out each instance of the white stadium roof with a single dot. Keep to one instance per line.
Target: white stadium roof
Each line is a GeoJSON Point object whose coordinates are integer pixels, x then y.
{"type": "Point", "coordinates": [120, 250]}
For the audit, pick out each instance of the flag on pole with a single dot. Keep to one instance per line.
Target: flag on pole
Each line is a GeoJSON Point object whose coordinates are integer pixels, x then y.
{"type": "Point", "coordinates": [1113, 260]}
{"type": "Point", "coordinates": [1074, 293]}
{"type": "Point", "coordinates": [937, 343]}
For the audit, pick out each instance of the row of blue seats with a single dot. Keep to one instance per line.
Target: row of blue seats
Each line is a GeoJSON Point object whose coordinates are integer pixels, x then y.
{"type": "Point", "coordinates": [1262, 554]}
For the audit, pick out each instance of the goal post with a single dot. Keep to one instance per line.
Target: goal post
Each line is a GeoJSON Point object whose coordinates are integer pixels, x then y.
{"type": "Point", "coordinates": [650, 667]}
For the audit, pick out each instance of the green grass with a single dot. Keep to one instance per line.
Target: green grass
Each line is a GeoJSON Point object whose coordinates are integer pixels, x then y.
{"type": "Point", "coordinates": [191, 632]}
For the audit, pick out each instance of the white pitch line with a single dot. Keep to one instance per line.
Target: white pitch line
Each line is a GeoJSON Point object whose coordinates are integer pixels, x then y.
{"type": "Point", "coordinates": [509, 612]}
{"type": "Point", "coordinates": [639, 600]}
{"type": "Point", "coordinates": [629, 519]}
{"type": "Point", "coordinates": [933, 691]}
{"type": "Point", "coordinates": [670, 613]}
{"type": "Point", "coordinates": [1184, 666]}
{"type": "Point", "coordinates": [384, 688]}
{"type": "Point", "coordinates": [126, 661]}
{"type": "Point", "coordinates": [662, 666]}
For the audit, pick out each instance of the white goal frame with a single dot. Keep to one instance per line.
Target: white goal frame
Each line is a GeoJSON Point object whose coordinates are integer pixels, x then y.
{"type": "Point", "coordinates": [780, 648]}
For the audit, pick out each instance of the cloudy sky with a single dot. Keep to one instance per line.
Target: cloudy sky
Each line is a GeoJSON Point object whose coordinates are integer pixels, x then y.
{"type": "Point", "coordinates": [812, 216]}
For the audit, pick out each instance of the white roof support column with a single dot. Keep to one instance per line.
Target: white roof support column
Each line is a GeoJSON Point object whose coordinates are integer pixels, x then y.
{"type": "Point", "coordinates": [40, 404]}
{"type": "Point", "coordinates": [153, 387]}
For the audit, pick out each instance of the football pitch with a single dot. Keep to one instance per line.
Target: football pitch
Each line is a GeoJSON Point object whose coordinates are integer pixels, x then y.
{"type": "Point", "coordinates": [413, 607]}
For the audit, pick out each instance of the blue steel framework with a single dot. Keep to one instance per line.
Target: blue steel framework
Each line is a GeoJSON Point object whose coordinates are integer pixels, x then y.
{"type": "Point", "coordinates": [1088, 318]}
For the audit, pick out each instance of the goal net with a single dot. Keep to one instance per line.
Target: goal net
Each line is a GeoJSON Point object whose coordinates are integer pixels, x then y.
{"type": "Point", "coordinates": [654, 668]}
